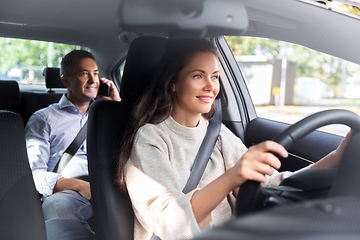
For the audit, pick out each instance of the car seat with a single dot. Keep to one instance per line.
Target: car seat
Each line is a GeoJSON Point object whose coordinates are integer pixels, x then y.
{"type": "Point", "coordinates": [21, 214]}
{"type": "Point", "coordinates": [113, 213]}
{"type": "Point", "coordinates": [10, 98]}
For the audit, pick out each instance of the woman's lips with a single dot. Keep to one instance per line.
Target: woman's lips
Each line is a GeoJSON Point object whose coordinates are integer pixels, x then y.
{"type": "Point", "coordinates": [206, 99]}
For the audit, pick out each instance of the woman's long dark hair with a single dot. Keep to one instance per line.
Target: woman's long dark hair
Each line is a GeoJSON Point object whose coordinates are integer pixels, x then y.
{"type": "Point", "coordinates": [157, 103]}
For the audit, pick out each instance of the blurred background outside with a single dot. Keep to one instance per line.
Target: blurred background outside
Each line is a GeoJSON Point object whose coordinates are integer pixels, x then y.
{"type": "Point", "coordinates": [288, 82]}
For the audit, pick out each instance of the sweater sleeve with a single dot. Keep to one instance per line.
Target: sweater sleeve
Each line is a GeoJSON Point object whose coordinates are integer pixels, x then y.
{"type": "Point", "coordinates": [231, 146]}
{"type": "Point", "coordinates": [159, 204]}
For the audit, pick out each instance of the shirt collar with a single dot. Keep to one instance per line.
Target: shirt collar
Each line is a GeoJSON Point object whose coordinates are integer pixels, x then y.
{"type": "Point", "coordinates": [64, 102]}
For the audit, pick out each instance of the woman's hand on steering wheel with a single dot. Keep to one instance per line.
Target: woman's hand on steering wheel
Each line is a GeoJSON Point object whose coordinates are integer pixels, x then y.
{"type": "Point", "coordinates": [333, 158]}
{"type": "Point", "coordinates": [257, 162]}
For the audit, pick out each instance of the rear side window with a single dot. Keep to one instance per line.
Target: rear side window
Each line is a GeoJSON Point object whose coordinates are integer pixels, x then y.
{"type": "Point", "coordinates": [24, 60]}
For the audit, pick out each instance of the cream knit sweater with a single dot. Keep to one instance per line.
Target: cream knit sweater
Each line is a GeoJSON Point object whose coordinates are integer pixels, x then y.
{"type": "Point", "coordinates": [158, 169]}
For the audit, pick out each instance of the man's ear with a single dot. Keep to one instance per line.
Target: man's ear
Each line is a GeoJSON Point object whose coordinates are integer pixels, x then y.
{"type": "Point", "coordinates": [65, 81]}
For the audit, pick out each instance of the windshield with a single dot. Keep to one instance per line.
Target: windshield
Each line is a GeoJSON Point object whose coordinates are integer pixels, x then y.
{"type": "Point", "coordinates": [350, 3]}
{"type": "Point", "coordinates": [351, 7]}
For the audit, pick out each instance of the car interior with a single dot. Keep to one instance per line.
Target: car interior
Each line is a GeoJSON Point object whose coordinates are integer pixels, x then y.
{"type": "Point", "coordinates": [127, 38]}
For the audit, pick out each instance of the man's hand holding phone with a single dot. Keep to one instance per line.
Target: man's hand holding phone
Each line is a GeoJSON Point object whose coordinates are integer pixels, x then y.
{"type": "Point", "coordinates": [108, 90]}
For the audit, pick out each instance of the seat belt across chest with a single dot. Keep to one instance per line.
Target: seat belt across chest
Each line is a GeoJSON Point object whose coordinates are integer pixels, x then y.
{"type": "Point", "coordinates": [204, 153]}
{"type": "Point", "coordinates": [71, 149]}
{"type": "Point", "coordinates": [205, 150]}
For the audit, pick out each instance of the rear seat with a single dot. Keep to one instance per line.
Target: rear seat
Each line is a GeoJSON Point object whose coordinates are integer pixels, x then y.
{"type": "Point", "coordinates": [10, 98]}
{"type": "Point", "coordinates": [33, 101]}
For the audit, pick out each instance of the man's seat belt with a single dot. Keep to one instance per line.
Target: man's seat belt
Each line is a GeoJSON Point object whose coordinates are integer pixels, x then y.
{"type": "Point", "coordinates": [71, 149]}
{"type": "Point", "coordinates": [204, 153]}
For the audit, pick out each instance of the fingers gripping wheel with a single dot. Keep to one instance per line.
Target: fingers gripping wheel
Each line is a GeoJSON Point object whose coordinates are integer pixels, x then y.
{"type": "Point", "coordinates": [252, 196]}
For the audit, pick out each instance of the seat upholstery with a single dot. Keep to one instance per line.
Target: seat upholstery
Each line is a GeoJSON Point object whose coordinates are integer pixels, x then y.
{"type": "Point", "coordinates": [113, 213]}
{"type": "Point", "coordinates": [21, 215]}
{"type": "Point", "coordinates": [10, 98]}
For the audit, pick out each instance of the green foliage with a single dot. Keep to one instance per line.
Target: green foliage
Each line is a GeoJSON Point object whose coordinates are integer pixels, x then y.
{"type": "Point", "coordinates": [344, 7]}
{"type": "Point", "coordinates": [18, 52]}
{"type": "Point", "coordinates": [310, 63]}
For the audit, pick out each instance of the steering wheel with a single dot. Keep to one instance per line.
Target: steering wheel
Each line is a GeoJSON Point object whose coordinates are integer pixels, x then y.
{"type": "Point", "coordinates": [251, 196]}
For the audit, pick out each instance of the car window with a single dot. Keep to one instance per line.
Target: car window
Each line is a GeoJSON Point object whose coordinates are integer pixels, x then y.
{"type": "Point", "coordinates": [288, 82]}
{"type": "Point", "coordinates": [120, 70]}
{"type": "Point", "coordinates": [24, 60]}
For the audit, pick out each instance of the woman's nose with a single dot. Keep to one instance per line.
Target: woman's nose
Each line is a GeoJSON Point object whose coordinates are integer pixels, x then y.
{"type": "Point", "coordinates": [210, 84]}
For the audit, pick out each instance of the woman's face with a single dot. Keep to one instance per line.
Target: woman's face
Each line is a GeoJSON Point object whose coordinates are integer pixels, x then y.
{"type": "Point", "coordinates": [196, 88]}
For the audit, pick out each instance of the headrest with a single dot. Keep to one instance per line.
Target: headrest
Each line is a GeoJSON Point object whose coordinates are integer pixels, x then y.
{"type": "Point", "coordinates": [143, 56]}
{"type": "Point", "coordinates": [52, 78]}
{"type": "Point", "coordinates": [9, 88]}
{"type": "Point", "coordinates": [10, 95]}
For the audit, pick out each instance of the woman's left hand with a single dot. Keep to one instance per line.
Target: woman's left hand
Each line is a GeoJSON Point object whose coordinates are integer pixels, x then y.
{"type": "Point", "coordinates": [333, 158]}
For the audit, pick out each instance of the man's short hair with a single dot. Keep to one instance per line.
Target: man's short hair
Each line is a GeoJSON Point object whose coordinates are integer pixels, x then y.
{"type": "Point", "coordinates": [68, 61]}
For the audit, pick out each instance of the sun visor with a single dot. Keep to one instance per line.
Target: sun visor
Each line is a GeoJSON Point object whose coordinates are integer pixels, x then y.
{"type": "Point", "coordinates": [198, 18]}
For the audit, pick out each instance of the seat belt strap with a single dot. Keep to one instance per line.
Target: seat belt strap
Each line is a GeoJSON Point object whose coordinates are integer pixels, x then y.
{"type": "Point", "coordinates": [204, 153]}
{"type": "Point", "coordinates": [206, 149]}
{"type": "Point", "coordinates": [71, 149]}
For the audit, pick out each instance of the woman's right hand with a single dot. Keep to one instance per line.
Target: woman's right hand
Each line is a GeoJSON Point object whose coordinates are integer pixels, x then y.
{"type": "Point", "coordinates": [254, 165]}
{"type": "Point", "coordinates": [257, 162]}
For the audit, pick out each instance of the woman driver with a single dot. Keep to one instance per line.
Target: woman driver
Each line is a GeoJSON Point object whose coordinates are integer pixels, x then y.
{"type": "Point", "coordinates": [160, 147]}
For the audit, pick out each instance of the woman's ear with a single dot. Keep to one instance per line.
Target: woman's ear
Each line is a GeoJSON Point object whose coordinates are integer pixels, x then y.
{"type": "Point", "coordinates": [173, 87]}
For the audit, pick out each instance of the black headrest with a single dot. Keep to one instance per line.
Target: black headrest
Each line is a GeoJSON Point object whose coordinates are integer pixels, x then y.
{"type": "Point", "coordinates": [9, 93]}
{"type": "Point", "coordinates": [143, 56]}
{"type": "Point", "coordinates": [9, 88]}
{"type": "Point", "coordinates": [52, 78]}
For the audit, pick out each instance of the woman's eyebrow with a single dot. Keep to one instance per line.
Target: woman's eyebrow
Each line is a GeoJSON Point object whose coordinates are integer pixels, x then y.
{"type": "Point", "coordinates": [199, 70]}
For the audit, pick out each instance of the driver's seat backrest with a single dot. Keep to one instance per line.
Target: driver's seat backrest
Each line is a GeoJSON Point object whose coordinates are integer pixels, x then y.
{"type": "Point", "coordinates": [113, 213]}
{"type": "Point", "coordinates": [21, 215]}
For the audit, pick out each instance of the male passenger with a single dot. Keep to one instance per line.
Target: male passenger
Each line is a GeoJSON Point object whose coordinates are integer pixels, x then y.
{"type": "Point", "coordinates": [50, 131]}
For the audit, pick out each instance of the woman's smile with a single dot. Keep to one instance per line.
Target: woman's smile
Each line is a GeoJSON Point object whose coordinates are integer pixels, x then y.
{"type": "Point", "coordinates": [206, 99]}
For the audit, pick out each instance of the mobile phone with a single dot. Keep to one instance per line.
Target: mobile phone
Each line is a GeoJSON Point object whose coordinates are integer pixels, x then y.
{"type": "Point", "coordinates": [104, 89]}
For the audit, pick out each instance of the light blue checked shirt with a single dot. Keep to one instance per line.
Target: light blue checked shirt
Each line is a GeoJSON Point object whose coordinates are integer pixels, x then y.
{"type": "Point", "coordinates": [48, 133]}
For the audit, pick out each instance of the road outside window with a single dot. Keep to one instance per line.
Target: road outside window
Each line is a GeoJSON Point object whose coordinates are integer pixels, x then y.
{"type": "Point", "coordinates": [288, 82]}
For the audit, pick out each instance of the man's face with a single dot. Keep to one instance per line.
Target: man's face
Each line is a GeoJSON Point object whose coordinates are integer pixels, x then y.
{"type": "Point", "coordinates": [83, 81]}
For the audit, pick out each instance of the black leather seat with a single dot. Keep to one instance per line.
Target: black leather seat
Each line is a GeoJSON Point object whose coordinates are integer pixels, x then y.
{"type": "Point", "coordinates": [113, 213]}
{"type": "Point", "coordinates": [21, 215]}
